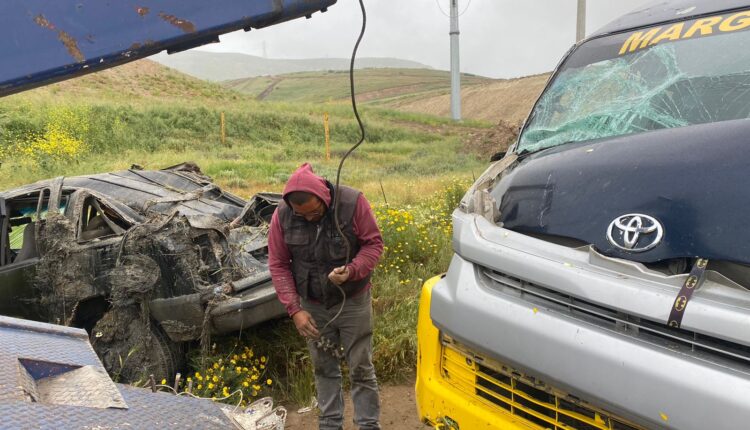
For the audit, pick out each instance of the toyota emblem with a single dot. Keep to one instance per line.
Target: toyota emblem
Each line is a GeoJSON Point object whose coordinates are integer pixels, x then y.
{"type": "Point", "coordinates": [635, 232]}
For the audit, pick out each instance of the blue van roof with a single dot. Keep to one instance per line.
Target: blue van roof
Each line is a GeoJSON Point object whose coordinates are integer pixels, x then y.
{"type": "Point", "coordinates": [657, 12]}
{"type": "Point", "coordinates": [42, 42]}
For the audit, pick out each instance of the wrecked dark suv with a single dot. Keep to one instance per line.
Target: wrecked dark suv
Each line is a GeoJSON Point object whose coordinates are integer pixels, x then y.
{"type": "Point", "coordinates": [143, 260]}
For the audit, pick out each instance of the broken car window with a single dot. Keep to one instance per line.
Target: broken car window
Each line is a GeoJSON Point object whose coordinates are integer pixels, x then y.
{"type": "Point", "coordinates": [98, 221]}
{"type": "Point", "coordinates": [24, 211]}
{"type": "Point", "coordinates": [653, 79]}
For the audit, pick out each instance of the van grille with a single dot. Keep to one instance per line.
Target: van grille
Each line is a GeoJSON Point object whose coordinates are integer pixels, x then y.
{"type": "Point", "coordinates": [498, 386]}
{"type": "Point", "coordinates": [656, 333]}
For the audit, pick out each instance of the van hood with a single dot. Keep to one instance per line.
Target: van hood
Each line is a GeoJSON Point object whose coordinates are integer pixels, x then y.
{"type": "Point", "coordinates": [691, 180]}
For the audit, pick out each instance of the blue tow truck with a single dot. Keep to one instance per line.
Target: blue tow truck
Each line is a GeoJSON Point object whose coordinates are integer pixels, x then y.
{"type": "Point", "coordinates": [43, 42]}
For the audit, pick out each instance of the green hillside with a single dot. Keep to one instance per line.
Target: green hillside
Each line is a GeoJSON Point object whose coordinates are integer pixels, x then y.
{"type": "Point", "coordinates": [148, 114]}
{"type": "Point", "coordinates": [373, 85]}
{"type": "Point", "coordinates": [423, 91]}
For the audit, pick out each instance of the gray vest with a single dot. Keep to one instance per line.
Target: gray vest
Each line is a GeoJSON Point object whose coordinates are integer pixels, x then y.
{"type": "Point", "coordinates": [317, 248]}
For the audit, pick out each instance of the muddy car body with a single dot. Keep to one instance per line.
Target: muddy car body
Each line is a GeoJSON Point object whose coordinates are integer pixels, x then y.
{"type": "Point", "coordinates": [143, 260]}
{"type": "Point", "coordinates": [601, 276]}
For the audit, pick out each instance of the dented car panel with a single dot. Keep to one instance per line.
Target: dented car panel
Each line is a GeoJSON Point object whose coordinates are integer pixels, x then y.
{"type": "Point", "coordinates": [659, 173]}
{"type": "Point", "coordinates": [159, 239]}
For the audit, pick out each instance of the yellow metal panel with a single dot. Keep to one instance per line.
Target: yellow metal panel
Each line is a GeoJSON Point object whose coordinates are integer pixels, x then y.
{"type": "Point", "coordinates": [455, 385]}
{"type": "Point", "coordinates": [437, 399]}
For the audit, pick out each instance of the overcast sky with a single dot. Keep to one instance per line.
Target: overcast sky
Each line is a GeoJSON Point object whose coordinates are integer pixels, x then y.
{"type": "Point", "coordinates": [499, 38]}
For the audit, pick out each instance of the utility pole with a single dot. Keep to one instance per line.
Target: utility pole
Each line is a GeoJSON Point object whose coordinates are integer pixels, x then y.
{"type": "Point", "coordinates": [581, 22]}
{"type": "Point", "coordinates": [455, 64]}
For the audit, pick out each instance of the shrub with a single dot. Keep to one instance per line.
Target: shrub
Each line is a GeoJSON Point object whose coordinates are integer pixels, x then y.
{"type": "Point", "coordinates": [225, 377]}
{"type": "Point", "coordinates": [61, 140]}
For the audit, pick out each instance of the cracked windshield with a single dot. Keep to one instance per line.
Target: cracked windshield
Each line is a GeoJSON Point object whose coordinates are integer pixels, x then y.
{"type": "Point", "coordinates": [653, 79]}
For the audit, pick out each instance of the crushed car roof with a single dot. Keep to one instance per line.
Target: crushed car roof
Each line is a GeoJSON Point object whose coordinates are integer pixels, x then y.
{"type": "Point", "coordinates": [665, 11]}
{"type": "Point", "coordinates": [139, 192]}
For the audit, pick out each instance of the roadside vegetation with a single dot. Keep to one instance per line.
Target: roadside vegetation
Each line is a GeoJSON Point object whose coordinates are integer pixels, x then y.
{"type": "Point", "coordinates": [374, 85]}
{"type": "Point", "coordinates": [413, 168]}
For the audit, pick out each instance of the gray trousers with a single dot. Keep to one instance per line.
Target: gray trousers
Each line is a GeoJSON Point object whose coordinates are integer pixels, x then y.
{"type": "Point", "coordinates": [353, 331]}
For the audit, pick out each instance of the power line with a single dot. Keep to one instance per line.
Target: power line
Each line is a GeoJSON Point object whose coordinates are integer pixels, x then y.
{"type": "Point", "coordinates": [448, 15]}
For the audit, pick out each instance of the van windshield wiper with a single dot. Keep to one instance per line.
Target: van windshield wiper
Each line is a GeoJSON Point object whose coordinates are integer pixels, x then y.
{"type": "Point", "coordinates": [526, 152]}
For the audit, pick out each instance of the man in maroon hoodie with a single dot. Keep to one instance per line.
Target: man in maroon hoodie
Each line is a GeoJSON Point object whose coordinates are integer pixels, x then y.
{"type": "Point", "coordinates": [313, 276]}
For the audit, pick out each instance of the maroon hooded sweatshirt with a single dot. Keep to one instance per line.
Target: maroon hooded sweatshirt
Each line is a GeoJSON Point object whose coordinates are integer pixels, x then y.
{"type": "Point", "coordinates": [363, 223]}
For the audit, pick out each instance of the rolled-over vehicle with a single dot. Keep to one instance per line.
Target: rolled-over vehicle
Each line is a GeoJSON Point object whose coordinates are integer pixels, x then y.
{"type": "Point", "coordinates": [143, 260]}
{"type": "Point", "coordinates": [601, 277]}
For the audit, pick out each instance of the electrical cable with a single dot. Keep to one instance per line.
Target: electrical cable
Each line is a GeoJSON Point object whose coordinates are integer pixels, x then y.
{"type": "Point", "coordinates": [336, 200]}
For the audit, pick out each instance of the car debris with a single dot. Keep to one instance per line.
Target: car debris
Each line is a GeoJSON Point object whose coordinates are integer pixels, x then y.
{"type": "Point", "coordinates": [144, 260]}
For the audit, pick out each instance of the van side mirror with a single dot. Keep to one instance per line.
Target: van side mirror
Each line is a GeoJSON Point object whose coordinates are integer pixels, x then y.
{"type": "Point", "coordinates": [497, 156]}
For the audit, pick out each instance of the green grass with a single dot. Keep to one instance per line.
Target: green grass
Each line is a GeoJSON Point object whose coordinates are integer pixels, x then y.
{"type": "Point", "coordinates": [373, 85]}
{"type": "Point", "coordinates": [416, 162]}
{"type": "Point", "coordinates": [264, 143]}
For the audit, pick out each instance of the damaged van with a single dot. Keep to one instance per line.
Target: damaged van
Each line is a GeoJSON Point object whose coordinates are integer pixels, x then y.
{"type": "Point", "coordinates": [601, 276]}
{"type": "Point", "coordinates": [143, 260]}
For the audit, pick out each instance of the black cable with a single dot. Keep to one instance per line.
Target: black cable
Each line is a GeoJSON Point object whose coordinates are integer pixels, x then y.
{"type": "Point", "coordinates": [361, 129]}
{"type": "Point", "coordinates": [336, 193]}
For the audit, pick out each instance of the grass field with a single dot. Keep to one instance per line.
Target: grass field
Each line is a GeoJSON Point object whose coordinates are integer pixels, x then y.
{"type": "Point", "coordinates": [147, 115]}
{"type": "Point", "coordinates": [405, 90]}
{"type": "Point", "coordinates": [373, 85]}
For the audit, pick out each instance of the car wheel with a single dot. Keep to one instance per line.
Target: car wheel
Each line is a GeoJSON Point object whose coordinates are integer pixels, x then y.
{"type": "Point", "coordinates": [131, 349]}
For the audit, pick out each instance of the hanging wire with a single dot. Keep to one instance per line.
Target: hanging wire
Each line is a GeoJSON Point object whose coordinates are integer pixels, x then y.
{"type": "Point", "coordinates": [346, 155]}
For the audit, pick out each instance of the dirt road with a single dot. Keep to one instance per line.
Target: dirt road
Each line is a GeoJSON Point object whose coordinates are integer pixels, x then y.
{"type": "Point", "coordinates": [398, 411]}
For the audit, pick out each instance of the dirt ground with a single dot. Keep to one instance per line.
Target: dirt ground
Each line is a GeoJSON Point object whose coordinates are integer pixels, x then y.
{"type": "Point", "coordinates": [507, 100]}
{"type": "Point", "coordinates": [398, 411]}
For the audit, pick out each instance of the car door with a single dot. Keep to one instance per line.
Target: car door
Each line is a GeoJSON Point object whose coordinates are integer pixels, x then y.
{"type": "Point", "coordinates": [21, 218]}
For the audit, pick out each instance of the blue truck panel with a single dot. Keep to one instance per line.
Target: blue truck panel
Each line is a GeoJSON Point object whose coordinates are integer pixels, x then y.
{"type": "Point", "coordinates": [42, 42]}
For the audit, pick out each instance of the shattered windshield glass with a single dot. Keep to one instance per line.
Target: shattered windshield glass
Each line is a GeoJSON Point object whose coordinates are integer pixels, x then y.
{"type": "Point", "coordinates": [627, 83]}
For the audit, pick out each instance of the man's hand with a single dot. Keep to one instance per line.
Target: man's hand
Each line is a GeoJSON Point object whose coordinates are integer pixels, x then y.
{"type": "Point", "coordinates": [339, 275]}
{"type": "Point", "coordinates": [305, 324]}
